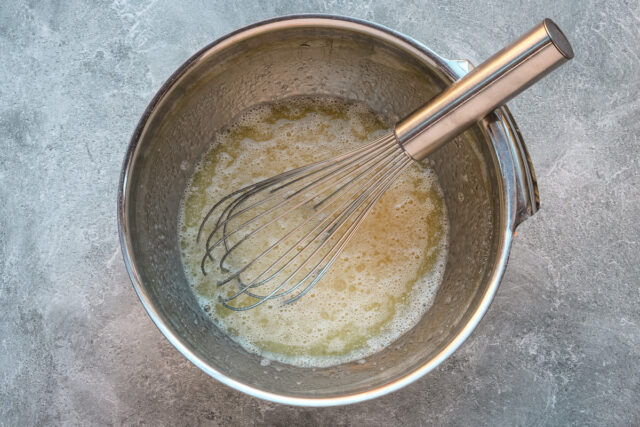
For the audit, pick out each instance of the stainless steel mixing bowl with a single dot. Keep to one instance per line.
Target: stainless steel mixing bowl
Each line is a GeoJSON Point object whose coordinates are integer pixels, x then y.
{"type": "Point", "coordinates": [485, 174]}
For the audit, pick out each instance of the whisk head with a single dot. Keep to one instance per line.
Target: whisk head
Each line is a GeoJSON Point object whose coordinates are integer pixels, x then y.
{"type": "Point", "coordinates": [278, 237]}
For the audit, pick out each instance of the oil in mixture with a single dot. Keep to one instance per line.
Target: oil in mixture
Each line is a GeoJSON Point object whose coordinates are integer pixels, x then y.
{"type": "Point", "coordinates": [383, 281]}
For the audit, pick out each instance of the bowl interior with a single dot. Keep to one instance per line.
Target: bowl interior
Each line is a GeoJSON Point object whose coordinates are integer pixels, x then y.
{"type": "Point", "coordinates": [225, 80]}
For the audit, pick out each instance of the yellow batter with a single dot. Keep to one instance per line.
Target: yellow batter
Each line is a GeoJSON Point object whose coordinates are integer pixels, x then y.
{"type": "Point", "coordinates": [384, 280]}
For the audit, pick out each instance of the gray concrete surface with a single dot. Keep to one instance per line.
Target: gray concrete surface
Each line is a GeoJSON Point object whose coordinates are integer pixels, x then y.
{"type": "Point", "coordinates": [559, 346]}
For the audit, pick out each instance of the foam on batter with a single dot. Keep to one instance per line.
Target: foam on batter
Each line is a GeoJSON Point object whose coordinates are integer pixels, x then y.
{"type": "Point", "coordinates": [384, 280]}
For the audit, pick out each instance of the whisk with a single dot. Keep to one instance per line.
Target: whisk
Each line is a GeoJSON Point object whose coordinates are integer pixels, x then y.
{"type": "Point", "coordinates": [278, 237]}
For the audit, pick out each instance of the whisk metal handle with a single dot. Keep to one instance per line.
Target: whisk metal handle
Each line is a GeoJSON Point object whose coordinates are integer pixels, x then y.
{"type": "Point", "coordinates": [491, 84]}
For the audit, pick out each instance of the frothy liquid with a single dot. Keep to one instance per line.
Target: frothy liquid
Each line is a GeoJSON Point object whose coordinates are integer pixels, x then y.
{"type": "Point", "coordinates": [384, 280]}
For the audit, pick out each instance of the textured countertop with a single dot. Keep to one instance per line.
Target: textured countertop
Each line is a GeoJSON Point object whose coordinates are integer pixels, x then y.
{"type": "Point", "coordinates": [560, 344]}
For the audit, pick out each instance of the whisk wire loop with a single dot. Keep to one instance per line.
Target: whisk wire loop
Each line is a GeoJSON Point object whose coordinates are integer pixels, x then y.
{"type": "Point", "coordinates": [326, 202]}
